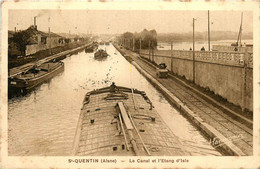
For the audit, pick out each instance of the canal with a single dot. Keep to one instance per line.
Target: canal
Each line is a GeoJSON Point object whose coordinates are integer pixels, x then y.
{"type": "Point", "coordinates": [44, 121]}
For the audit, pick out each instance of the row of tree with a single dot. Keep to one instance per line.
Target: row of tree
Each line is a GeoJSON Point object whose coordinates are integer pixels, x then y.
{"type": "Point", "coordinates": [132, 40]}
{"type": "Point", "coordinates": [201, 36]}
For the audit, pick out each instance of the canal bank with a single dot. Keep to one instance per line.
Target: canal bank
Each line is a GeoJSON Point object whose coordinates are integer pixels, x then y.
{"type": "Point", "coordinates": [225, 133]}
{"type": "Point", "coordinates": [56, 57]}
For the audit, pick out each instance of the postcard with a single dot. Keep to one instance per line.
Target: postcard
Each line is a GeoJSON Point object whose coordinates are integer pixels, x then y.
{"type": "Point", "coordinates": [112, 84]}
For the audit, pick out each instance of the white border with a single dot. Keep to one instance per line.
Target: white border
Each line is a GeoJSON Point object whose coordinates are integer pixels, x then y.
{"type": "Point", "coordinates": [62, 162]}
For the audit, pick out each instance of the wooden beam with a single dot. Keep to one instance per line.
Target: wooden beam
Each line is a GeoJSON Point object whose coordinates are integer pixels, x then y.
{"type": "Point", "coordinates": [126, 119]}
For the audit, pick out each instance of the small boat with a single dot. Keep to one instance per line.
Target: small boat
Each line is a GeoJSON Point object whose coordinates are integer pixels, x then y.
{"type": "Point", "coordinates": [33, 77]}
{"type": "Point", "coordinates": [100, 54]}
{"type": "Point", "coordinates": [120, 121]}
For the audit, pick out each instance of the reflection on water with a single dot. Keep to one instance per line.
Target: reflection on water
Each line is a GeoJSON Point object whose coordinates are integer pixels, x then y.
{"type": "Point", "coordinates": [44, 121]}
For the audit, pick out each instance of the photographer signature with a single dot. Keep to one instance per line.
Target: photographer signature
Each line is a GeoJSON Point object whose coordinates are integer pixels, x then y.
{"type": "Point", "coordinates": [216, 142]}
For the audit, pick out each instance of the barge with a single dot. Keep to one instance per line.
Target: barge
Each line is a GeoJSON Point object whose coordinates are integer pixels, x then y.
{"type": "Point", "coordinates": [120, 121]}
{"type": "Point", "coordinates": [91, 48]}
{"type": "Point", "coordinates": [26, 81]}
{"type": "Point", "coordinates": [100, 54]}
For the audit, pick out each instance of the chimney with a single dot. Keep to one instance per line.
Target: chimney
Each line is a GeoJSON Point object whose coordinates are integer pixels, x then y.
{"type": "Point", "coordinates": [35, 26]}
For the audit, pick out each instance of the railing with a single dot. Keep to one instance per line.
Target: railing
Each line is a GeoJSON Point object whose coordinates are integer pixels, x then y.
{"type": "Point", "coordinates": [232, 48]}
{"type": "Point", "coordinates": [250, 60]}
{"type": "Point", "coordinates": [226, 58]}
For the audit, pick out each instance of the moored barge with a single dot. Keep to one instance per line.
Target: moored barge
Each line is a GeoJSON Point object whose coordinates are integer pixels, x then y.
{"type": "Point", "coordinates": [120, 121]}
{"type": "Point", "coordinates": [26, 81]}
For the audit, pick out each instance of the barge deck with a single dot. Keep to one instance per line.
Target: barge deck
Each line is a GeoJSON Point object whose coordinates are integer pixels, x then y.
{"type": "Point", "coordinates": [123, 123]}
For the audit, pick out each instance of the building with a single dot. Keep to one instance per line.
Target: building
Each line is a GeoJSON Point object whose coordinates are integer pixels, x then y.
{"type": "Point", "coordinates": [41, 41]}
{"type": "Point", "coordinates": [38, 41]}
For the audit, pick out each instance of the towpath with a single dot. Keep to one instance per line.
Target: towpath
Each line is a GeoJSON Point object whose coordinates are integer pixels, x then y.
{"type": "Point", "coordinates": [224, 131]}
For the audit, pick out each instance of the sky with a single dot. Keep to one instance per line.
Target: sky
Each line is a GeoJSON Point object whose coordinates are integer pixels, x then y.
{"type": "Point", "coordinates": [120, 21]}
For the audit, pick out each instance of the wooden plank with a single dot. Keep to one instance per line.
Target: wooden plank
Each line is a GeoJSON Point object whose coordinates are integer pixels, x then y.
{"type": "Point", "coordinates": [126, 119]}
{"type": "Point", "coordinates": [122, 126]}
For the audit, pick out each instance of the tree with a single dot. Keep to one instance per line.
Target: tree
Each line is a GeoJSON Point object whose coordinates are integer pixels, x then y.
{"type": "Point", "coordinates": [76, 39]}
{"type": "Point", "coordinates": [146, 37]}
{"type": "Point", "coordinates": [21, 39]}
{"type": "Point", "coordinates": [67, 40]}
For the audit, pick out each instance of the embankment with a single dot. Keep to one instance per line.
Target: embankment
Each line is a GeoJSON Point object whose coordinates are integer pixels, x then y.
{"type": "Point", "coordinates": [15, 62]}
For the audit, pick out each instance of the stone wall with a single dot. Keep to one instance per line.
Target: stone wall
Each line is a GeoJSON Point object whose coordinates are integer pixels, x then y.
{"type": "Point", "coordinates": [228, 74]}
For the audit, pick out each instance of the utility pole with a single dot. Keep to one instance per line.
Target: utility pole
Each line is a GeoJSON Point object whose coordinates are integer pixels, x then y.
{"type": "Point", "coordinates": [171, 56]}
{"type": "Point", "coordinates": [208, 30]}
{"type": "Point", "coordinates": [152, 53]}
{"type": "Point", "coordinates": [193, 53]}
{"type": "Point", "coordinates": [133, 44]}
{"type": "Point", "coordinates": [49, 46]}
{"type": "Point", "coordinates": [149, 49]}
{"type": "Point", "coordinates": [140, 46]}
{"type": "Point", "coordinates": [49, 36]}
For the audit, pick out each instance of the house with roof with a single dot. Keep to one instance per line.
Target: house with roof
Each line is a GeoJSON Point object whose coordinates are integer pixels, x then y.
{"type": "Point", "coordinates": [42, 41]}
{"type": "Point", "coordinates": [38, 41]}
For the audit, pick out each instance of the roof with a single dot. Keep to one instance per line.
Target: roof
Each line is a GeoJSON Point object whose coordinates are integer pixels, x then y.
{"type": "Point", "coordinates": [33, 31]}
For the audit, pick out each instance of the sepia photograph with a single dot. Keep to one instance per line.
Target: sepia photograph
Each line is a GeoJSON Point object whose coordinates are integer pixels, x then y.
{"type": "Point", "coordinates": [103, 85]}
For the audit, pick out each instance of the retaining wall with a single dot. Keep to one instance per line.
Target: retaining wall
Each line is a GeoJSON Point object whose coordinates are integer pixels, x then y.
{"type": "Point", "coordinates": [228, 74]}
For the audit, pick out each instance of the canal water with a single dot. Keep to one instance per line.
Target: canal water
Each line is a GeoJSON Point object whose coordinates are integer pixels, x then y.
{"type": "Point", "coordinates": [198, 44]}
{"type": "Point", "coordinates": [44, 121]}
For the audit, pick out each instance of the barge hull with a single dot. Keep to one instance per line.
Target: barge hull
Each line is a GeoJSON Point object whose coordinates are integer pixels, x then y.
{"type": "Point", "coordinates": [30, 84]}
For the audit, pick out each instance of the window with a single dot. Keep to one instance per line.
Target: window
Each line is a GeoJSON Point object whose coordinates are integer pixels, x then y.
{"type": "Point", "coordinates": [43, 40]}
